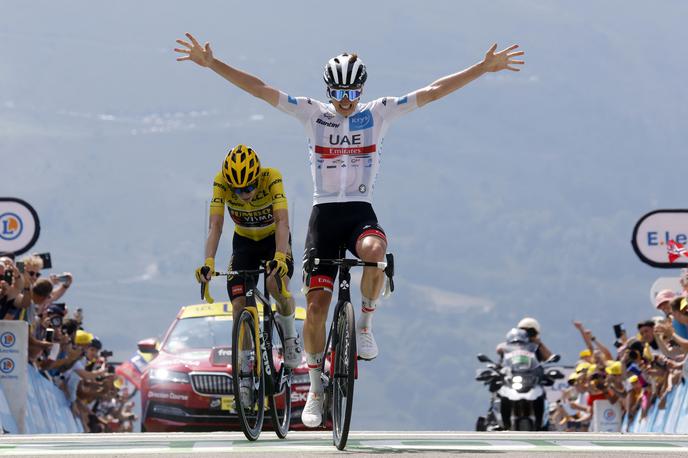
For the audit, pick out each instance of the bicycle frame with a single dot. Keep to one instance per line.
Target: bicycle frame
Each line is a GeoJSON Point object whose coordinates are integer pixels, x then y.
{"type": "Point", "coordinates": [263, 340]}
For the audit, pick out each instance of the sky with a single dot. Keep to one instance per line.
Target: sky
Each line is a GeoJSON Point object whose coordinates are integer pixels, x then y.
{"type": "Point", "coordinates": [515, 196]}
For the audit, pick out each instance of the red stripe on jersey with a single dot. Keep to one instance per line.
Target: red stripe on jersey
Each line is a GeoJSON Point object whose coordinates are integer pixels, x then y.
{"type": "Point", "coordinates": [329, 153]}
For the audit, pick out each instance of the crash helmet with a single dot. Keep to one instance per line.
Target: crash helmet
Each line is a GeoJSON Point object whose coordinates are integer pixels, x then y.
{"type": "Point", "coordinates": [241, 167]}
{"type": "Point", "coordinates": [515, 336]}
{"type": "Point", "coordinates": [529, 323]}
{"type": "Point", "coordinates": [345, 71]}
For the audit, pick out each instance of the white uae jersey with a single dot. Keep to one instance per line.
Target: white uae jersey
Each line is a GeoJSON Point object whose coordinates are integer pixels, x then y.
{"type": "Point", "coordinates": [345, 152]}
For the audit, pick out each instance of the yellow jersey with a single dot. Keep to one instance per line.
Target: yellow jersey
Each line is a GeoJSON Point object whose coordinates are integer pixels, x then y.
{"type": "Point", "coordinates": [255, 219]}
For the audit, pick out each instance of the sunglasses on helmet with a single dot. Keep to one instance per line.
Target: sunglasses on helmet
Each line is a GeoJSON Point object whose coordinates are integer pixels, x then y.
{"type": "Point", "coordinates": [338, 94]}
{"type": "Point", "coordinates": [246, 189]}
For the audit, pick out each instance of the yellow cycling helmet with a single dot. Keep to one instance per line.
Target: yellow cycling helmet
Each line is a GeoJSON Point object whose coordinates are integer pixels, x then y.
{"type": "Point", "coordinates": [241, 167]}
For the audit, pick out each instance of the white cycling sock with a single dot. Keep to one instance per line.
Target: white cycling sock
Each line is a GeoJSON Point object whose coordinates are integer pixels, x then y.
{"type": "Point", "coordinates": [314, 361]}
{"type": "Point", "coordinates": [367, 309]}
{"type": "Point", "coordinates": [288, 325]}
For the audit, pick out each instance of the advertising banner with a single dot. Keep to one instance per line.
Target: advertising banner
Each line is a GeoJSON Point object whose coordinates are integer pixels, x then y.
{"type": "Point", "coordinates": [606, 417]}
{"type": "Point", "coordinates": [19, 226]}
{"type": "Point", "coordinates": [660, 238]}
{"type": "Point", "coordinates": [14, 343]}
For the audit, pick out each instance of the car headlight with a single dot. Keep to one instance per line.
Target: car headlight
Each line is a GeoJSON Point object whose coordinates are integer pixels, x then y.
{"type": "Point", "coordinates": [159, 375]}
{"type": "Point", "coordinates": [517, 379]}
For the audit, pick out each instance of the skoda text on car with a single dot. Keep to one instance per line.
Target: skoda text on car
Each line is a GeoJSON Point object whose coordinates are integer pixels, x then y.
{"type": "Point", "coordinates": [188, 385]}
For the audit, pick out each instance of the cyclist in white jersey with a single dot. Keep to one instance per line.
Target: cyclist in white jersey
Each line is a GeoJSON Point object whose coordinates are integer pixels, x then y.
{"type": "Point", "coordinates": [345, 145]}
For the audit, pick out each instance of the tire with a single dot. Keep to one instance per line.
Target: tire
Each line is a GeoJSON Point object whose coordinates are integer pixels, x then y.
{"type": "Point", "coordinates": [481, 424]}
{"type": "Point", "coordinates": [280, 401]}
{"type": "Point", "coordinates": [344, 346]}
{"type": "Point", "coordinates": [250, 416]}
{"type": "Point", "coordinates": [524, 424]}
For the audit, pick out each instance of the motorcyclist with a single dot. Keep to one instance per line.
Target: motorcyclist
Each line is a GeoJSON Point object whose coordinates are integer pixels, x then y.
{"type": "Point", "coordinates": [518, 339]}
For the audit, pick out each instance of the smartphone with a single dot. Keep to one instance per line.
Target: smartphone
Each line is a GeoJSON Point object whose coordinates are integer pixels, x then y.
{"type": "Point", "coordinates": [111, 369]}
{"type": "Point", "coordinates": [49, 334]}
{"type": "Point", "coordinates": [618, 330]}
{"type": "Point", "coordinates": [47, 262]}
{"type": "Point", "coordinates": [7, 277]}
{"type": "Point", "coordinates": [63, 278]}
{"type": "Point", "coordinates": [20, 266]}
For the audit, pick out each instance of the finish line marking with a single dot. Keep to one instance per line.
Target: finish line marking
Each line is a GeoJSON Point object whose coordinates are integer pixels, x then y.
{"type": "Point", "coordinates": [319, 442]}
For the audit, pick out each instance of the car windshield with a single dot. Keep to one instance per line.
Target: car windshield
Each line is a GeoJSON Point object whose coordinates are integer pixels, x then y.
{"type": "Point", "coordinates": [200, 333]}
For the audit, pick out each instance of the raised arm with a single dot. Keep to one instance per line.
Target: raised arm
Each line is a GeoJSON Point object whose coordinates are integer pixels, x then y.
{"type": "Point", "coordinates": [493, 62]}
{"type": "Point", "coordinates": [203, 56]}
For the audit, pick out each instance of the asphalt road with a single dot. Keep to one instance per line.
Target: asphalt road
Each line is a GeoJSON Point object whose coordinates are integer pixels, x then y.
{"type": "Point", "coordinates": [417, 443]}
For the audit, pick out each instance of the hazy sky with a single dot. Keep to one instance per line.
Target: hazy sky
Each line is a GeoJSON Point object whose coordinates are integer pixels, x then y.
{"type": "Point", "coordinates": [515, 196]}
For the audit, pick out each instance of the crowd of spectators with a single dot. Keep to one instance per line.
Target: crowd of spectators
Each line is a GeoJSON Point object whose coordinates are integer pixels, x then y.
{"type": "Point", "coordinates": [642, 369]}
{"type": "Point", "coordinates": [60, 349]}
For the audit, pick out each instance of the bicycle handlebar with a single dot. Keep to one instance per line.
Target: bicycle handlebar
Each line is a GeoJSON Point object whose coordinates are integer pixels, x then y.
{"type": "Point", "coordinates": [205, 270]}
{"type": "Point", "coordinates": [349, 262]}
{"type": "Point", "coordinates": [387, 266]}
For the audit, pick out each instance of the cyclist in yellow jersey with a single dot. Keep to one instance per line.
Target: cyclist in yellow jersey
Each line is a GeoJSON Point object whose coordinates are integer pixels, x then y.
{"type": "Point", "coordinates": [257, 204]}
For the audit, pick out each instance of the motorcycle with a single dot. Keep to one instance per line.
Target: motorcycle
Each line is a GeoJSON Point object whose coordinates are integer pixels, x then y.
{"type": "Point", "coordinates": [518, 384]}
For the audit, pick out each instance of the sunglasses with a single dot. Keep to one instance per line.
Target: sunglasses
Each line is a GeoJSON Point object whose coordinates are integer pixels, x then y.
{"type": "Point", "coordinates": [33, 274]}
{"type": "Point", "coordinates": [246, 189]}
{"type": "Point", "coordinates": [338, 94]}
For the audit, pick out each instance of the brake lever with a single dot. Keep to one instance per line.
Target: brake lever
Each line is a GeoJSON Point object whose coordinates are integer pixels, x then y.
{"type": "Point", "coordinates": [389, 272]}
{"type": "Point", "coordinates": [205, 294]}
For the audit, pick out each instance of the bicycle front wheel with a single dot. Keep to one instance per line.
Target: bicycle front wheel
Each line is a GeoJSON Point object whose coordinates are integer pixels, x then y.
{"type": "Point", "coordinates": [280, 400]}
{"type": "Point", "coordinates": [247, 377]}
{"type": "Point", "coordinates": [344, 345]}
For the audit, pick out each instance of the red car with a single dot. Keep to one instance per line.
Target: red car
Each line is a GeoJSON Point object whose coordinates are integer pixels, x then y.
{"type": "Point", "coordinates": [188, 384]}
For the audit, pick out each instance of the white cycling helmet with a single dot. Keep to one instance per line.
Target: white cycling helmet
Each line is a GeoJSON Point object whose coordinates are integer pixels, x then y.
{"type": "Point", "coordinates": [345, 71]}
{"type": "Point", "coordinates": [529, 323]}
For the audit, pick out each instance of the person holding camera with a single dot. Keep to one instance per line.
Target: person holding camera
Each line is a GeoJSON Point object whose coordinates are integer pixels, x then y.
{"type": "Point", "coordinates": [15, 293]}
{"type": "Point", "coordinates": [532, 328]}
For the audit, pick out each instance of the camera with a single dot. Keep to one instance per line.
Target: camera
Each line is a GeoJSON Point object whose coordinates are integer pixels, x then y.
{"type": "Point", "coordinates": [56, 321]}
{"type": "Point", "coordinates": [106, 354]}
{"type": "Point", "coordinates": [110, 369]}
{"type": "Point", "coordinates": [531, 332]}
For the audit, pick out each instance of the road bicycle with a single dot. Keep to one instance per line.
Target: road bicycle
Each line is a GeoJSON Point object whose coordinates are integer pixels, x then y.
{"type": "Point", "coordinates": [252, 338]}
{"type": "Point", "coordinates": [338, 382]}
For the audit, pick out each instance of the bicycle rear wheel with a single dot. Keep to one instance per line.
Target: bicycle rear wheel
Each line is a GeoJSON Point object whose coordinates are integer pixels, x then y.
{"type": "Point", "coordinates": [251, 410]}
{"type": "Point", "coordinates": [344, 345]}
{"type": "Point", "coordinates": [280, 400]}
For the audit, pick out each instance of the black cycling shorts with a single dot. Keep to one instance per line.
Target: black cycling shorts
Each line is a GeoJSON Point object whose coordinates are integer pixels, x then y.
{"type": "Point", "coordinates": [249, 254]}
{"type": "Point", "coordinates": [332, 229]}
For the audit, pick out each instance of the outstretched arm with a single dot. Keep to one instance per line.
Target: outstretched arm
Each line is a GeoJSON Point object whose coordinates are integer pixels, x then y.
{"type": "Point", "coordinates": [203, 56]}
{"type": "Point", "coordinates": [493, 62]}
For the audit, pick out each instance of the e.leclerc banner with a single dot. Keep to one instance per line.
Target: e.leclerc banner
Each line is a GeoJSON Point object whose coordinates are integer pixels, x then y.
{"type": "Point", "coordinates": [19, 226]}
{"type": "Point", "coordinates": [660, 238]}
{"type": "Point", "coordinates": [14, 343]}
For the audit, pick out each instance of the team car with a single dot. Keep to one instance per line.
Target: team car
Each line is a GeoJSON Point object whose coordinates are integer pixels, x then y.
{"type": "Point", "coordinates": [187, 386]}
